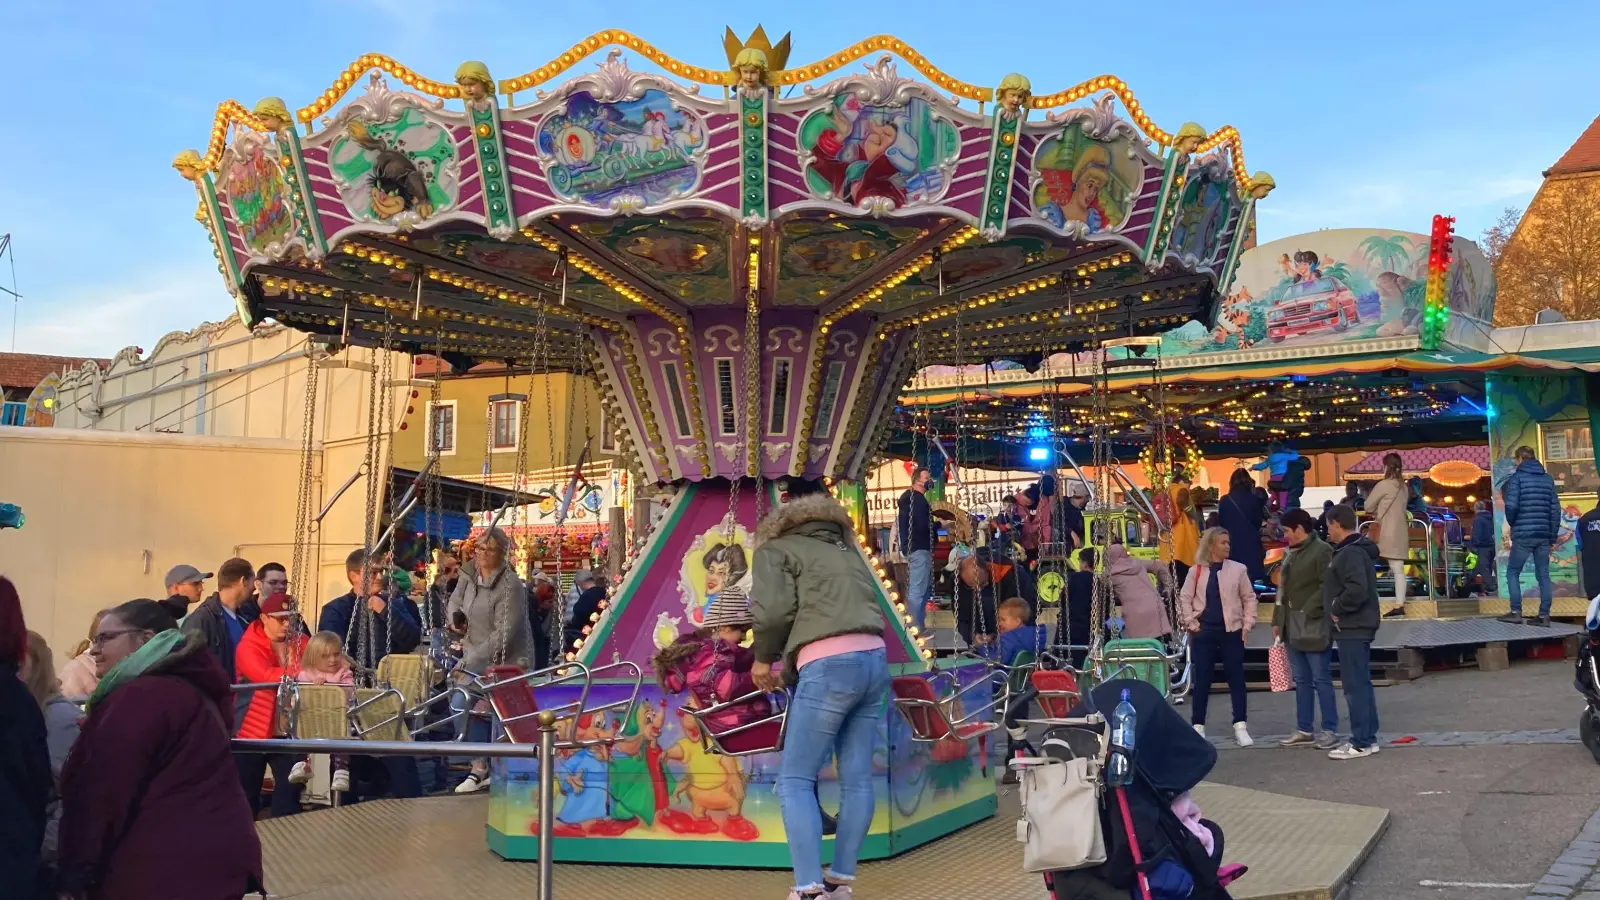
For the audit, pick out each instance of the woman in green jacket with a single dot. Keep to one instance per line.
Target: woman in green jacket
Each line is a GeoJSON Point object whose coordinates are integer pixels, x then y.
{"type": "Point", "coordinates": [1300, 623]}
{"type": "Point", "coordinates": [815, 604]}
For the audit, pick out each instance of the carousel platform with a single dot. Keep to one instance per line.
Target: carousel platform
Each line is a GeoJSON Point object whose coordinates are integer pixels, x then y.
{"type": "Point", "coordinates": [434, 847]}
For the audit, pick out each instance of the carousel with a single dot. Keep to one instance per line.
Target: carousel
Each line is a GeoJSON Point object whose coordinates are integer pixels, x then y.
{"type": "Point", "coordinates": [751, 260]}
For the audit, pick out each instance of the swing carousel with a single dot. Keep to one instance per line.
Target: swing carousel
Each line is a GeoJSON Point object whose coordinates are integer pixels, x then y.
{"type": "Point", "coordinates": [751, 260]}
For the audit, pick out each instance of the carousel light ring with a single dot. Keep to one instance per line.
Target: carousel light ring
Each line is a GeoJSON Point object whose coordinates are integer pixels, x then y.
{"type": "Point", "coordinates": [229, 112]}
{"type": "Point", "coordinates": [352, 74]}
{"type": "Point", "coordinates": [1179, 442]}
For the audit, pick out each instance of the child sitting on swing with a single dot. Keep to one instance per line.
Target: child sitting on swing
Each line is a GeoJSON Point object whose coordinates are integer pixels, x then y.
{"type": "Point", "coordinates": [324, 662]}
{"type": "Point", "coordinates": [713, 668]}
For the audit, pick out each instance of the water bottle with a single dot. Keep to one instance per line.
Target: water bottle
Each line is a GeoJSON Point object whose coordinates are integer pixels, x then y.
{"type": "Point", "coordinates": [1124, 726]}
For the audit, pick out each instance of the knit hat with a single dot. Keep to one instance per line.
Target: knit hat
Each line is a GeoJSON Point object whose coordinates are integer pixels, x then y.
{"type": "Point", "coordinates": [730, 609]}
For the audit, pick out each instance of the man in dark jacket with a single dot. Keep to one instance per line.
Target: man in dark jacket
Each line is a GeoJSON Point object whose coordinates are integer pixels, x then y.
{"type": "Point", "coordinates": [222, 619]}
{"type": "Point", "coordinates": [1533, 510]}
{"type": "Point", "coordinates": [1484, 547]}
{"type": "Point", "coordinates": [1589, 551]}
{"type": "Point", "coordinates": [1350, 599]}
{"type": "Point", "coordinates": [393, 621]}
{"type": "Point", "coordinates": [185, 587]}
{"type": "Point", "coordinates": [914, 522]}
{"type": "Point", "coordinates": [24, 760]}
{"type": "Point", "coordinates": [1300, 623]}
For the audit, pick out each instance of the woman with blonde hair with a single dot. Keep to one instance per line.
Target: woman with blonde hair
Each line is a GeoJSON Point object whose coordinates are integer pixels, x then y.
{"type": "Point", "coordinates": [1217, 606]}
{"type": "Point", "coordinates": [79, 677]}
{"type": "Point", "coordinates": [38, 672]}
{"type": "Point", "coordinates": [1391, 521]}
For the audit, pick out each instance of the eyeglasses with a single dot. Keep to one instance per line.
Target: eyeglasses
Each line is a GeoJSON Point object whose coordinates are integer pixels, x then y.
{"type": "Point", "coordinates": [106, 637]}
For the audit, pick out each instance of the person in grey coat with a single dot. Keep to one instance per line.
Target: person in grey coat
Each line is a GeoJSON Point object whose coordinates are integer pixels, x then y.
{"type": "Point", "coordinates": [493, 601]}
{"type": "Point", "coordinates": [1533, 510]}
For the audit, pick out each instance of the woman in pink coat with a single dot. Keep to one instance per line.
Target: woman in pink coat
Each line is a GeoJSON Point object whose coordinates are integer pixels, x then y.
{"type": "Point", "coordinates": [1144, 614]}
{"type": "Point", "coordinates": [1217, 606]}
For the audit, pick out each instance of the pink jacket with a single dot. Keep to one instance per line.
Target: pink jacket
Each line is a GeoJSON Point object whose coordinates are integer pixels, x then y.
{"type": "Point", "coordinates": [1144, 613]}
{"type": "Point", "coordinates": [1038, 524]}
{"type": "Point", "coordinates": [341, 677]}
{"type": "Point", "coordinates": [1238, 597]}
{"type": "Point", "coordinates": [716, 673]}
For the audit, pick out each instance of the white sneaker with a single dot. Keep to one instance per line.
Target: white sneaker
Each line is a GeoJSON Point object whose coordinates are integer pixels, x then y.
{"type": "Point", "coordinates": [300, 774]}
{"type": "Point", "coordinates": [1200, 730]}
{"type": "Point", "coordinates": [1241, 733]}
{"type": "Point", "coordinates": [1351, 751]}
{"type": "Point", "coordinates": [474, 784]}
{"type": "Point", "coordinates": [340, 781]}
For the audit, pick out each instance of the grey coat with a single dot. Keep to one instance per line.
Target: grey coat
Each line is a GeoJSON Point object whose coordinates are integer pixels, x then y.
{"type": "Point", "coordinates": [61, 732]}
{"type": "Point", "coordinates": [497, 616]}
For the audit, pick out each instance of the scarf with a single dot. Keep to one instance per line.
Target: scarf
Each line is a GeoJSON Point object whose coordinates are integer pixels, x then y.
{"type": "Point", "coordinates": [135, 664]}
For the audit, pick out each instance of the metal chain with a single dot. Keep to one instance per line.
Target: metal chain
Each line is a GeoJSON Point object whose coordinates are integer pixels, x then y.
{"type": "Point", "coordinates": [386, 419]}
{"type": "Point", "coordinates": [359, 628]}
{"type": "Point", "coordinates": [300, 560]}
{"type": "Point", "coordinates": [433, 508]}
{"type": "Point", "coordinates": [755, 422]}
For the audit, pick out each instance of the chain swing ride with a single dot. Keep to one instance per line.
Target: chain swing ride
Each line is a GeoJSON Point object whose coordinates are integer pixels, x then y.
{"type": "Point", "coordinates": [751, 281]}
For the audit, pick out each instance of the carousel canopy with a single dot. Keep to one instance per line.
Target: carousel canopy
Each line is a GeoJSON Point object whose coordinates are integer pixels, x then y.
{"type": "Point", "coordinates": [750, 275]}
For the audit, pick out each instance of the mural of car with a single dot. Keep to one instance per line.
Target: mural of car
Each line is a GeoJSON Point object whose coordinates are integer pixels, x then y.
{"type": "Point", "coordinates": [1333, 308]}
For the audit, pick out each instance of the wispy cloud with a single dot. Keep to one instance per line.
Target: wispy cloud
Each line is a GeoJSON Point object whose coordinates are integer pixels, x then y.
{"type": "Point", "coordinates": [100, 319]}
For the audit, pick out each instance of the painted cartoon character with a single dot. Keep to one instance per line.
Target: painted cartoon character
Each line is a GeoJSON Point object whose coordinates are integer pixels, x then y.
{"type": "Point", "coordinates": [641, 785]}
{"type": "Point", "coordinates": [712, 783]}
{"type": "Point", "coordinates": [397, 183]}
{"type": "Point", "coordinates": [726, 566]}
{"type": "Point", "coordinates": [1075, 196]}
{"type": "Point", "coordinates": [867, 153]}
{"type": "Point", "coordinates": [583, 777]}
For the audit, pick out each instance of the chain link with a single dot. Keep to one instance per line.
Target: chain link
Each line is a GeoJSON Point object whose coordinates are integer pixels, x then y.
{"type": "Point", "coordinates": [301, 559]}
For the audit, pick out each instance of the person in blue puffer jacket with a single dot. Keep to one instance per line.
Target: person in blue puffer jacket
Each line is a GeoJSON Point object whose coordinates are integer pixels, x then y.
{"type": "Point", "coordinates": [1533, 510]}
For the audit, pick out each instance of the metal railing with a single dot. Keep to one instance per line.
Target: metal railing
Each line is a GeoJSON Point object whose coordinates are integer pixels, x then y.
{"type": "Point", "coordinates": [1427, 539]}
{"type": "Point", "coordinates": [544, 752]}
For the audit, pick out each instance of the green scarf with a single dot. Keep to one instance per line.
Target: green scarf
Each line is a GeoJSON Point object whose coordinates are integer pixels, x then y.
{"type": "Point", "coordinates": [135, 664]}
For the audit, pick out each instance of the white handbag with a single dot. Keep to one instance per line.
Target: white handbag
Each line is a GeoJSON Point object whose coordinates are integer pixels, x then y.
{"type": "Point", "coordinates": [1060, 824]}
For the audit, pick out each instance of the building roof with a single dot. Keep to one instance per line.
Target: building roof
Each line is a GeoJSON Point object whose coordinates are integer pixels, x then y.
{"type": "Point", "coordinates": [1582, 156]}
{"type": "Point", "coordinates": [26, 370]}
{"type": "Point", "coordinates": [1423, 460]}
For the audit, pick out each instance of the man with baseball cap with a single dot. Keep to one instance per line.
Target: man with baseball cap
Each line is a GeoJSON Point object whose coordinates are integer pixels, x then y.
{"type": "Point", "coordinates": [185, 587]}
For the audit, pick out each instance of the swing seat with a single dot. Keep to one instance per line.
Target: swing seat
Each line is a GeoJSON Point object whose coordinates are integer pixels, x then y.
{"type": "Point", "coordinates": [934, 716]}
{"type": "Point", "coordinates": [408, 673]}
{"type": "Point", "coordinates": [764, 735]}
{"type": "Point", "coordinates": [379, 715]}
{"type": "Point", "coordinates": [1058, 691]}
{"type": "Point", "coordinates": [1140, 659]}
{"type": "Point", "coordinates": [511, 697]}
{"type": "Point", "coordinates": [322, 713]}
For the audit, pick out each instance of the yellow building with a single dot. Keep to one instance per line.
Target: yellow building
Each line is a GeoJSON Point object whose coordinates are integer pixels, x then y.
{"type": "Point", "coordinates": [1552, 259]}
{"type": "Point", "coordinates": [478, 426]}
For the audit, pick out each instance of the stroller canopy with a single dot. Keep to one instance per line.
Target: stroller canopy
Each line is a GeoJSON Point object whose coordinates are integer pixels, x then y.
{"type": "Point", "coordinates": [1167, 752]}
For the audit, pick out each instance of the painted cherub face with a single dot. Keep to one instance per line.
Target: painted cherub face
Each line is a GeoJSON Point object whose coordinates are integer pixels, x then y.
{"type": "Point", "coordinates": [1011, 99]}
{"type": "Point", "coordinates": [752, 77]}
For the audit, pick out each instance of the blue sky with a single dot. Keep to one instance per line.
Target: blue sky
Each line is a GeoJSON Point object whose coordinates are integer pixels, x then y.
{"type": "Point", "coordinates": [1367, 113]}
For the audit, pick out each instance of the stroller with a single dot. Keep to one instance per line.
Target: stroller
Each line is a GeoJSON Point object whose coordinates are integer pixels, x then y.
{"type": "Point", "coordinates": [1169, 759]}
{"type": "Point", "coordinates": [1587, 681]}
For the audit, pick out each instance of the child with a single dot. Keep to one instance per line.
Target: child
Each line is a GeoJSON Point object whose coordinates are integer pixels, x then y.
{"type": "Point", "coordinates": [712, 667]}
{"type": "Point", "coordinates": [1015, 633]}
{"type": "Point", "coordinates": [324, 662]}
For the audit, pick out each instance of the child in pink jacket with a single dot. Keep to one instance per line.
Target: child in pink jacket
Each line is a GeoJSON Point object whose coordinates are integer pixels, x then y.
{"type": "Point", "coordinates": [713, 668]}
{"type": "Point", "coordinates": [324, 662]}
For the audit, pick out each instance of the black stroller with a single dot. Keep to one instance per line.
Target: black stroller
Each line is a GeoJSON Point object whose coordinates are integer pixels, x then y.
{"type": "Point", "coordinates": [1169, 759]}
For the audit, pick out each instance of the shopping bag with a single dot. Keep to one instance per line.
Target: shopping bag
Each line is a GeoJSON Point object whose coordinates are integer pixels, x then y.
{"type": "Point", "coordinates": [1060, 824]}
{"type": "Point", "coordinates": [1278, 673]}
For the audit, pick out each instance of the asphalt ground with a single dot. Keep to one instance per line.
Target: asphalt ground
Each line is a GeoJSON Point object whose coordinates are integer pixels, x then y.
{"type": "Point", "coordinates": [1482, 802]}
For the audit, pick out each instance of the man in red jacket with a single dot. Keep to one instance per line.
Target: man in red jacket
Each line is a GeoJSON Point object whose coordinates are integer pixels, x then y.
{"type": "Point", "coordinates": [268, 651]}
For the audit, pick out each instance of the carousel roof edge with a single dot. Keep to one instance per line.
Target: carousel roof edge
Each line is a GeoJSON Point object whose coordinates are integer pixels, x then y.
{"type": "Point", "coordinates": [271, 114]}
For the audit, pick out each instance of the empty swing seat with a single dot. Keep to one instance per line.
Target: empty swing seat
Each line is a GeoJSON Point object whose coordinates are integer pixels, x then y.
{"type": "Point", "coordinates": [937, 717]}
{"type": "Point", "coordinates": [379, 715]}
{"type": "Point", "coordinates": [511, 697]}
{"type": "Point", "coordinates": [1058, 691]}
{"type": "Point", "coordinates": [1141, 659]}
{"type": "Point", "coordinates": [409, 673]}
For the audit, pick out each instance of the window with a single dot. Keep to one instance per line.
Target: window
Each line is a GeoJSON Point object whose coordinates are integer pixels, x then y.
{"type": "Point", "coordinates": [830, 400]}
{"type": "Point", "coordinates": [608, 433]}
{"type": "Point", "coordinates": [506, 422]}
{"type": "Point", "coordinates": [1567, 451]}
{"type": "Point", "coordinates": [442, 427]}
{"type": "Point", "coordinates": [779, 422]}
{"type": "Point", "coordinates": [729, 423]}
{"type": "Point", "coordinates": [680, 412]}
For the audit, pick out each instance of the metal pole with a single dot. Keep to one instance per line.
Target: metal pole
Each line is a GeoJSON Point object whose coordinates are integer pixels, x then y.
{"type": "Point", "coordinates": [547, 803]}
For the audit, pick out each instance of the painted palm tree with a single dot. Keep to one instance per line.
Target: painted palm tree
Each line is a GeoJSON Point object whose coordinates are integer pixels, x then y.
{"type": "Point", "coordinates": [1387, 253]}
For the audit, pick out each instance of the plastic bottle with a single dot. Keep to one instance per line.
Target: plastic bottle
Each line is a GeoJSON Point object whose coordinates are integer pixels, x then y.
{"type": "Point", "coordinates": [1124, 726]}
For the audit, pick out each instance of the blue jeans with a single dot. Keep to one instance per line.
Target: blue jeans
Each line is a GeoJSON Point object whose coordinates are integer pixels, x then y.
{"type": "Point", "coordinates": [1355, 670]}
{"type": "Point", "coordinates": [835, 712]}
{"type": "Point", "coordinates": [469, 727]}
{"type": "Point", "coordinates": [1520, 552]}
{"type": "Point", "coordinates": [919, 587]}
{"type": "Point", "coordinates": [1313, 684]}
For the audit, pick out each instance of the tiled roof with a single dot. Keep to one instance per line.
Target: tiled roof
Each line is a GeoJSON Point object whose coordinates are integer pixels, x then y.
{"type": "Point", "coordinates": [1583, 155]}
{"type": "Point", "coordinates": [26, 370]}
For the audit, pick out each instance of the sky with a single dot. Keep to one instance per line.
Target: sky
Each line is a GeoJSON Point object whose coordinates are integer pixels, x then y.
{"type": "Point", "coordinates": [1367, 114]}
